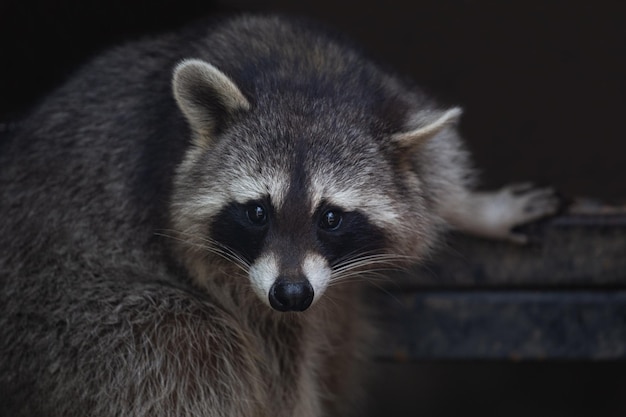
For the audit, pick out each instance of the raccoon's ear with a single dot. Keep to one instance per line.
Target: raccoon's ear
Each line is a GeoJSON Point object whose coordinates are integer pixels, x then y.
{"type": "Point", "coordinates": [207, 98]}
{"type": "Point", "coordinates": [413, 139]}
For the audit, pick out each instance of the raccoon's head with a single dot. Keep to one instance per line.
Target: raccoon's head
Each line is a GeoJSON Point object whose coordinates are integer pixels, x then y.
{"type": "Point", "coordinates": [296, 202]}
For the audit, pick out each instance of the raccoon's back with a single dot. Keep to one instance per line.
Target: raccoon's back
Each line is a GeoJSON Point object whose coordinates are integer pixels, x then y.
{"type": "Point", "coordinates": [84, 189]}
{"type": "Point", "coordinates": [87, 171]}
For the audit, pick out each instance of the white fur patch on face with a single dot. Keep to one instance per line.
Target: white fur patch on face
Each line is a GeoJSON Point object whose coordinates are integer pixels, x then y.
{"type": "Point", "coordinates": [263, 273]}
{"type": "Point", "coordinates": [317, 271]}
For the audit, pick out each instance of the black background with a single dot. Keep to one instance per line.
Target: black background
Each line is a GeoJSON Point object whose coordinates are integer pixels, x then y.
{"type": "Point", "coordinates": [543, 85]}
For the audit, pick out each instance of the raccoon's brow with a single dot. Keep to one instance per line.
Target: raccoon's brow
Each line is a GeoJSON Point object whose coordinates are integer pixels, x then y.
{"type": "Point", "coordinates": [247, 188]}
{"type": "Point", "coordinates": [378, 207]}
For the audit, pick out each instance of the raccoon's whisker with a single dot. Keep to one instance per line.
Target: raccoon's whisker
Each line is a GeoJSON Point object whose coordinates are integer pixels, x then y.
{"type": "Point", "coordinates": [362, 262]}
{"type": "Point", "coordinates": [372, 256]}
{"type": "Point", "coordinates": [170, 234]}
{"type": "Point", "coordinates": [210, 246]}
{"type": "Point", "coordinates": [371, 282]}
{"type": "Point", "coordinates": [230, 255]}
{"type": "Point", "coordinates": [356, 277]}
{"type": "Point", "coordinates": [363, 266]}
{"type": "Point", "coordinates": [369, 267]}
{"type": "Point", "coordinates": [379, 273]}
{"type": "Point", "coordinates": [351, 257]}
{"type": "Point", "coordinates": [370, 276]}
{"type": "Point", "coordinates": [386, 292]}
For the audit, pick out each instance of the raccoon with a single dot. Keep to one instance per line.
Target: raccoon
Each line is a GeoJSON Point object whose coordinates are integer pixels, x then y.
{"type": "Point", "coordinates": [188, 223]}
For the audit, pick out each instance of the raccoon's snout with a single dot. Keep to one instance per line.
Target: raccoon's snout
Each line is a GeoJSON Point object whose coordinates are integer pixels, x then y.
{"type": "Point", "coordinates": [287, 295]}
{"type": "Point", "coordinates": [292, 287]}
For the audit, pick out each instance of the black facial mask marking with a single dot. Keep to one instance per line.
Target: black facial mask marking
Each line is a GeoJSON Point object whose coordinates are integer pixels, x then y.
{"type": "Point", "coordinates": [243, 227]}
{"type": "Point", "coordinates": [348, 234]}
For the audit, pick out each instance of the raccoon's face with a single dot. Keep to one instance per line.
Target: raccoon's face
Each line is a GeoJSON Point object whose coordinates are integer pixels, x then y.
{"type": "Point", "coordinates": [289, 201]}
{"type": "Point", "coordinates": [292, 247]}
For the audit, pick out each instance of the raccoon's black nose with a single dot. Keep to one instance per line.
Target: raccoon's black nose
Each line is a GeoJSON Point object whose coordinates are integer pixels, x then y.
{"type": "Point", "coordinates": [286, 295]}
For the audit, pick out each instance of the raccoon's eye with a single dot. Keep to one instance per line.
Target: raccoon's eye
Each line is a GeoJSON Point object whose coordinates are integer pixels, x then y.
{"type": "Point", "coordinates": [256, 214]}
{"type": "Point", "coordinates": [330, 220]}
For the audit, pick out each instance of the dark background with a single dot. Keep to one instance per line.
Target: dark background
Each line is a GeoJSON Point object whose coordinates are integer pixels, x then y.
{"type": "Point", "coordinates": [543, 85]}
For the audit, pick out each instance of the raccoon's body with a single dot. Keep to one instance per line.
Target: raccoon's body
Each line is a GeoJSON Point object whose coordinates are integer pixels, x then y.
{"type": "Point", "coordinates": [185, 226]}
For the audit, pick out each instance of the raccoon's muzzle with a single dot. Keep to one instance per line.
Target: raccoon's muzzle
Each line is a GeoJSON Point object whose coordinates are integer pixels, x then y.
{"type": "Point", "coordinates": [289, 295]}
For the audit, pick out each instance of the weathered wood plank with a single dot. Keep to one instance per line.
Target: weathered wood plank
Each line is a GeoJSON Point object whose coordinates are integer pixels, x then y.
{"type": "Point", "coordinates": [573, 251]}
{"type": "Point", "coordinates": [502, 325]}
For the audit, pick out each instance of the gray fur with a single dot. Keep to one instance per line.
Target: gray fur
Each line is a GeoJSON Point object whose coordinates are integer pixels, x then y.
{"type": "Point", "coordinates": [115, 299]}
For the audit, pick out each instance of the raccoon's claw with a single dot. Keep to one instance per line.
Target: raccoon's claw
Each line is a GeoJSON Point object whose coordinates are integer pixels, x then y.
{"type": "Point", "coordinates": [496, 214]}
{"type": "Point", "coordinates": [528, 203]}
{"type": "Point", "coordinates": [521, 204]}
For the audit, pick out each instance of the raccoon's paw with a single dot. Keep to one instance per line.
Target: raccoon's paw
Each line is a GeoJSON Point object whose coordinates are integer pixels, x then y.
{"type": "Point", "coordinates": [518, 204]}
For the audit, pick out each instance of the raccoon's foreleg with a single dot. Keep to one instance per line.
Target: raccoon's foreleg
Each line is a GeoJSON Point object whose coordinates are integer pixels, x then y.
{"type": "Point", "coordinates": [495, 214]}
